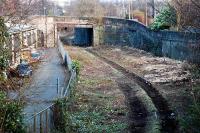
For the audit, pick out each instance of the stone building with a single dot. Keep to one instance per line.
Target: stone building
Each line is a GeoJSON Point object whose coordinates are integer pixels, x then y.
{"type": "Point", "coordinates": [24, 38]}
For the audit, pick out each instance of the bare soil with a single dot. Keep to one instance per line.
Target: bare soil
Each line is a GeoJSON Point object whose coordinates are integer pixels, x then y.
{"type": "Point", "coordinates": [153, 69]}
{"type": "Point", "coordinates": [167, 116]}
{"type": "Point", "coordinates": [142, 102]}
{"type": "Point", "coordinates": [168, 77]}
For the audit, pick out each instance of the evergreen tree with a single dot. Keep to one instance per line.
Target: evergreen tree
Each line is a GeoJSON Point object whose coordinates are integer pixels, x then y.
{"type": "Point", "coordinates": [165, 20]}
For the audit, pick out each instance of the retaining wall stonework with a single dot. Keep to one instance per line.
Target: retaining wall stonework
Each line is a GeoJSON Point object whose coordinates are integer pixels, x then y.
{"type": "Point", "coordinates": [176, 45]}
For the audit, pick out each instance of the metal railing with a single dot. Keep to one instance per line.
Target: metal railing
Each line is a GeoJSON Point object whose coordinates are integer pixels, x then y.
{"type": "Point", "coordinates": [65, 56]}
{"type": "Point", "coordinates": [43, 121]}
{"type": "Point", "coordinates": [72, 80]}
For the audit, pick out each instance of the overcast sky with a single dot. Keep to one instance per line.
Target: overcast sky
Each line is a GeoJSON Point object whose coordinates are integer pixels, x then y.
{"type": "Point", "coordinates": [62, 2]}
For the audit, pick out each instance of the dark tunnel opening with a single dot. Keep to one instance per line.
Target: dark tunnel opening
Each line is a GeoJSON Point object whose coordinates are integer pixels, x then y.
{"type": "Point", "coordinates": [83, 36]}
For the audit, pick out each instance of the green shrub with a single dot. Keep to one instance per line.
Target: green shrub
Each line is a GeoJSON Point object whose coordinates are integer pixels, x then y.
{"type": "Point", "coordinates": [87, 121]}
{"type": "Point", "coordinates": [76, 66]}
{"type": "Point", "coordinates": [11, 118]}
{"type": "Point", "coordinates": [191, 121]}
{"type": "Point", "coordinates": [3, 63]}
{"type": "Point", "coordinates": [195, 71]}
{"type": "Point", "coordinates": [84, 118]}
{"type": "Point", "coordinates": [84, 121]}
{"type": "Point", "coordinates": [61, 115]}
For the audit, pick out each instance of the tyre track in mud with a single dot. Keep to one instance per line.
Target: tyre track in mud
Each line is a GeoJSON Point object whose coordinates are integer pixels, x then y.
{"type": "Point", "coordinates": [137, 116]}
{"type": "Point", "coordinates": [167, 117]}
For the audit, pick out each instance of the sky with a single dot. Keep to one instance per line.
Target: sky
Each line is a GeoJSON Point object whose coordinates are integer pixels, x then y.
{"type": "Point", "coordinates": [61, 2]}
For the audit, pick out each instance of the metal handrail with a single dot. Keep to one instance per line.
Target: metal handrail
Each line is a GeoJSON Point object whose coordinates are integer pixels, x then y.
{"type": "Point", "coordinates": [63, 95]}
{"type": "Point", "coordinates": [70, 80]}
{"type": "Point", "coordinates": [41, 112]}
{"type": "Point", "coordinates": [34, 117]}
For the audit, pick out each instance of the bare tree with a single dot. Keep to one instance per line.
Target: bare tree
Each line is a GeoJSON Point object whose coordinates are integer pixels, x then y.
{"type": "Point", "coordinates": [86, 8]}
{"type": "Point", "coordinates": [113, 9]}
{"type": "Point", "coordinates": [188, 13]}
{"type": "Point", "coordinates": [15, 11]}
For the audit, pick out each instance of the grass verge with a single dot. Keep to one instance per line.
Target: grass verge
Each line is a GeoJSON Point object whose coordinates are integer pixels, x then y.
{"type": "Point", "coordinates": [97, 104]}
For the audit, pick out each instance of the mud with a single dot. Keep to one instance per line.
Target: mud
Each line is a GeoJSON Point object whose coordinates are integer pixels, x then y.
{"type": "Point", "coordinates": [137, 115]}
{"type": "Point", "coordinates": [167, 117]}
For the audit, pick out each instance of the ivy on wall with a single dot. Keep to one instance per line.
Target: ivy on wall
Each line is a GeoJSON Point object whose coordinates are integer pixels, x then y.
{"type": "Point", "coordinates": [4, 50]}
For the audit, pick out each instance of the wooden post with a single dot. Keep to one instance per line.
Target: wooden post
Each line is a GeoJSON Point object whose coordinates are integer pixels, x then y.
{"type": "Point", "coordinates": [61, 93]}
{"type": "Point", "coordinates": [41, 125]}
{"type": "Point", "coordinates": [47, 121]}
{"type": "Point", "coordinates": [26, 38]}
{"type": "Point", "coordinates": [21, 39]}
{"type": "Point", "coordinates": [56, 35]}
{"type": "Point", "coordinates": [21, 46]}
{"type": "Point", "coordinates": [34, 124]}
{"type": "Point", "coordinates": [36, 38]}
{"type": "Point", "coordinates": [27, 130]}
{"type": "Point", "coordinates": [31, 33]}
{"type": "Point", "coordinates": [13, 48]}
{"type": "Point", "coordinates": [57, 85]}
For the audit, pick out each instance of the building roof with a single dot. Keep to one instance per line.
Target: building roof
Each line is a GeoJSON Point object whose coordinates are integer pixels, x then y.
{"type": "Point", "coordinates": [18, 28]}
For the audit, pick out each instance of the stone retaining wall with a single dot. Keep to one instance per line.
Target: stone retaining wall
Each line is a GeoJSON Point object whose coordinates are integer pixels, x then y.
{"type": "Point", "coordinates": [176, 45]}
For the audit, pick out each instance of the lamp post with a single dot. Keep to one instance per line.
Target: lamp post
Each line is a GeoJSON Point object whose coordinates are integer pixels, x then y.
{"type": "Point", "coordinates": [45, 16]}
{"type": "Point", "coordinates": [146, 13]}
{"type": "Point", "coordinates": [123, 9]}
{"type": "Point", "coordinates": [129, 9]}
{"type": "Point", "coordinates": [153, 8]}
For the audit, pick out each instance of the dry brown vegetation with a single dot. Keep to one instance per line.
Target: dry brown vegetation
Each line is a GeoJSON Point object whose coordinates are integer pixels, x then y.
{"type": "Point", "coordinates": [169, 76]}
{"type": "Point", "coordinates": [153, 69]}
{"type": "Point", "coordinates": [97, 89]}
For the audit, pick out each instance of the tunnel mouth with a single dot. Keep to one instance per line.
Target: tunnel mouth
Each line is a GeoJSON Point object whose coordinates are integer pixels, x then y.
{"type": "Point", "coordinates": [80, 35]}
{"type": "Point", "coordinates": [83, 36]}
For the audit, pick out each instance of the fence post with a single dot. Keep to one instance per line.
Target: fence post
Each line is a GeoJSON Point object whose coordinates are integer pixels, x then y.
{"type": "Point", "coordinates": [57, 85]}
{"type": "Point", "coordinates": [47, 121]}
{"type": "Point", "coordinates": [61, 93]}
{"type": "Point", "coordinates": [27, 130]}
{"type": "Point", "coordinates": [41, 125]}
{"type": "Point", "coordinates": [34, 123]}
